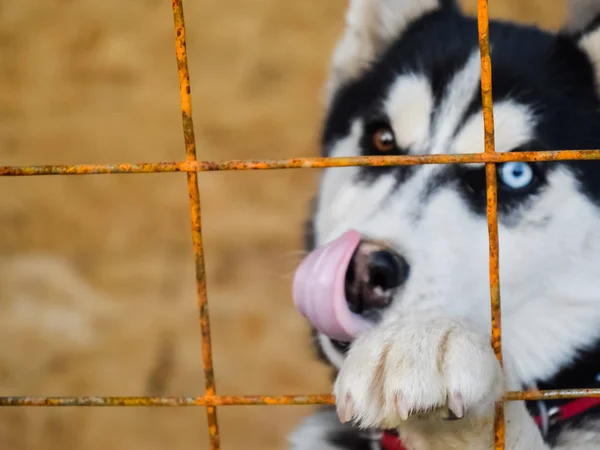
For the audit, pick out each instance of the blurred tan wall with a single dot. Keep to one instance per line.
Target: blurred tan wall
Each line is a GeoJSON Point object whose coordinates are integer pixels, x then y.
{"type": "Point", "coordinates": [96, 278]}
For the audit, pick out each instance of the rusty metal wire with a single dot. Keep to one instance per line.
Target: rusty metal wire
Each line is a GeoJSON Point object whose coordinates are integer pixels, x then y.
{"type": "Point", "coordinates": [492, 202]}
{"type": "Point", "coordinates": [249, 400]}
{"type": "Point", "coordinates": [194, 195]}
{"type": "Point", "coordinates": [191, 166]}
{"type": "Point", "coordinates": [210, 401]}
{"type": "Point", "coordinates": [298, 163]}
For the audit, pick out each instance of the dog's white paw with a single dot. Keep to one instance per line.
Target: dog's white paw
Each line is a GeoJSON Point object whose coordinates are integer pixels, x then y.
{"type": "Point", "coordinates": [417, 367]}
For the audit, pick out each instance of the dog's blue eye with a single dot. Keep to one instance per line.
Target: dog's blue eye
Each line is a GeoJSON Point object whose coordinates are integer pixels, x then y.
{"type": "Point", "coordinates": [516, 175]}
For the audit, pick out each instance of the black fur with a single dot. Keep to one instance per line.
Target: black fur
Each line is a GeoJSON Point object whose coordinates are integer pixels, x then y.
{"type": "Point", "coordinates": [546, 71]}
{"type": "Point", "coordinates": [532, 66]}
{"type": "Point", "coordinates": [582, 373]}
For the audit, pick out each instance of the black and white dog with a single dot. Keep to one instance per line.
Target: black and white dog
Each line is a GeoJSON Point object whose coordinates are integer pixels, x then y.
{"type": "Point", "coordinates": [397, 287]}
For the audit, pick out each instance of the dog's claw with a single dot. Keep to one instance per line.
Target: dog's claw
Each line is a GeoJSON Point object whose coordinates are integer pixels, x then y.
{"type": "Point", "coordinates": [456, 405]}
{"type": "Point", "coordinates": [345, 409]}
{"type": "Point", "coordinates": [402, 406]}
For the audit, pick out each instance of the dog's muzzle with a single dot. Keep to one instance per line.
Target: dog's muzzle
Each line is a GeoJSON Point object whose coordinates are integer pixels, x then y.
{"type": "Point", "coordinates": [343, 286]}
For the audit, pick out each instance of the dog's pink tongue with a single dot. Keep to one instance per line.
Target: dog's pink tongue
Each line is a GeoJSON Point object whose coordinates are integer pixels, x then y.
{"type": "Point", "coordinates": [318, 289]}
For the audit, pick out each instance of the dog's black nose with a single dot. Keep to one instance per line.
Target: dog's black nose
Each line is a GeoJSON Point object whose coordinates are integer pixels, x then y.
{"type": "Point", "coordinates": [387, 270]}
{"type": "Point", "coordinates": [373, 276]}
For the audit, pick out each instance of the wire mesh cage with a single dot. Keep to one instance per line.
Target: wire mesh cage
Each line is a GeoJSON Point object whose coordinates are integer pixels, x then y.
{"type": "Point", "coordinates": [192, 166]}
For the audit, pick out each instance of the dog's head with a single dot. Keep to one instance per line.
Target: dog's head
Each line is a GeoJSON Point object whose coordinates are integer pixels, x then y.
{"type": "Point", "coordinates": [405, 79]}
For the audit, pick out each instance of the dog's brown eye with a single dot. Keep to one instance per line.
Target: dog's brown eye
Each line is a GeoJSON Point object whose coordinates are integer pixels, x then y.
{"type": "Point", "coordinates": [384, 140]}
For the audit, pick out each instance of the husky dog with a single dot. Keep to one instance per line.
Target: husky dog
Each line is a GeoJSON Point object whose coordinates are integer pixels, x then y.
{"type": "Point", "coordinates": [397, 285]}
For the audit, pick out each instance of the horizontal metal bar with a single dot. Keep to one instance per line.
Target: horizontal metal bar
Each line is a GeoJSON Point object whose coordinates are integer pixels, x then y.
{"type": "Point", "coordinates": [552, 395]}
{"type": "Point", "coordinates": [249, 400]}
{"type": "Point", "coordinates": [217, 400]}
{"type": "Point", "coordinates": [299, 163]}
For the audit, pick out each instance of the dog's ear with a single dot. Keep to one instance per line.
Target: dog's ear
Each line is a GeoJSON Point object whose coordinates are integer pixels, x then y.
{"type": "Point", "coordinates": [371, 26]}
{"type": "Point", "coordinates": [583, 25]}
{"type": "Point", "coordinates": [581, 14]}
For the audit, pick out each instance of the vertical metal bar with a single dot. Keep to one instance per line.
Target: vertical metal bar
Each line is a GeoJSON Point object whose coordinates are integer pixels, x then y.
{"type": "Point", "coordinates": [492, 203]}
{"type": "Point", "coordinates": [194, 196]}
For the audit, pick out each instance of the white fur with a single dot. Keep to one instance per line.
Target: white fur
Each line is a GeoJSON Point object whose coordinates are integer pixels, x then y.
{"type": "Point", "coordinates": [550, 272]}
{"type": "Point", "coordinates": [513, 123]}
{"type": "Point", "coordinates": [584, 438]}
{"type": "Point", "coordinates": [580, 14]}
{"type": "Point", "coordinates": [312, 433]}
{"type": "Point", "coordinates": [417, 362]}
{"type": "Point", "coordinates": [370, 26]}
{"type": "Point", "coordinates": [333, 355]}
{"type": "Point", "coordinates": [550, 263]}
{"type": "Point", "coordinates": [434, 340]}
{"type": "Point", "coordinates": [409, 106]}
{"type": "Point", "coordinates": [458, 95]}
{"type": "Point", "coordinates": [590, 44]}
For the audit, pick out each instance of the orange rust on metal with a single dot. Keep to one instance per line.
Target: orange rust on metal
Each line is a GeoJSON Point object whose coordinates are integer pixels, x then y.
{"type": "Point", "coordinates": [492, 216]}
{"type": "Point", "coordinates": [208, 401]}
{"type": "Point", "coordinates": [499, 428]}
{"type": "Point", "coordinates": [184, 81]}
{"type": "Point", "coordinates": [486, 75]}
{"type": "Point", "coordinates": [249, 400]}
{"type": "Point", "coordinates": [552, 395]}
{"type": "Point", "coordinates": [299, 163]}
{"type": "Point", "coordinates": [483, 23]}
{"type": "Point", "coordinates": [191, 166]}
{"type": "Point", "coordinates": [93, 169]}
{"type": "Point", "coordinates": [194, 195]}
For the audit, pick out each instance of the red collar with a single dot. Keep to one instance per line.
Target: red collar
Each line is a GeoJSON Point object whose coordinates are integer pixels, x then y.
{"type": "Point", "coordinates": [391, 441]}
{"type": "Point", "coordinates": [568, 410]}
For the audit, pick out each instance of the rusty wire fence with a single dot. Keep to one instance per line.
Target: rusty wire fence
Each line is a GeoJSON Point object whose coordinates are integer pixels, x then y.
{"type": "Point", "coordinates": [191, 166]}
